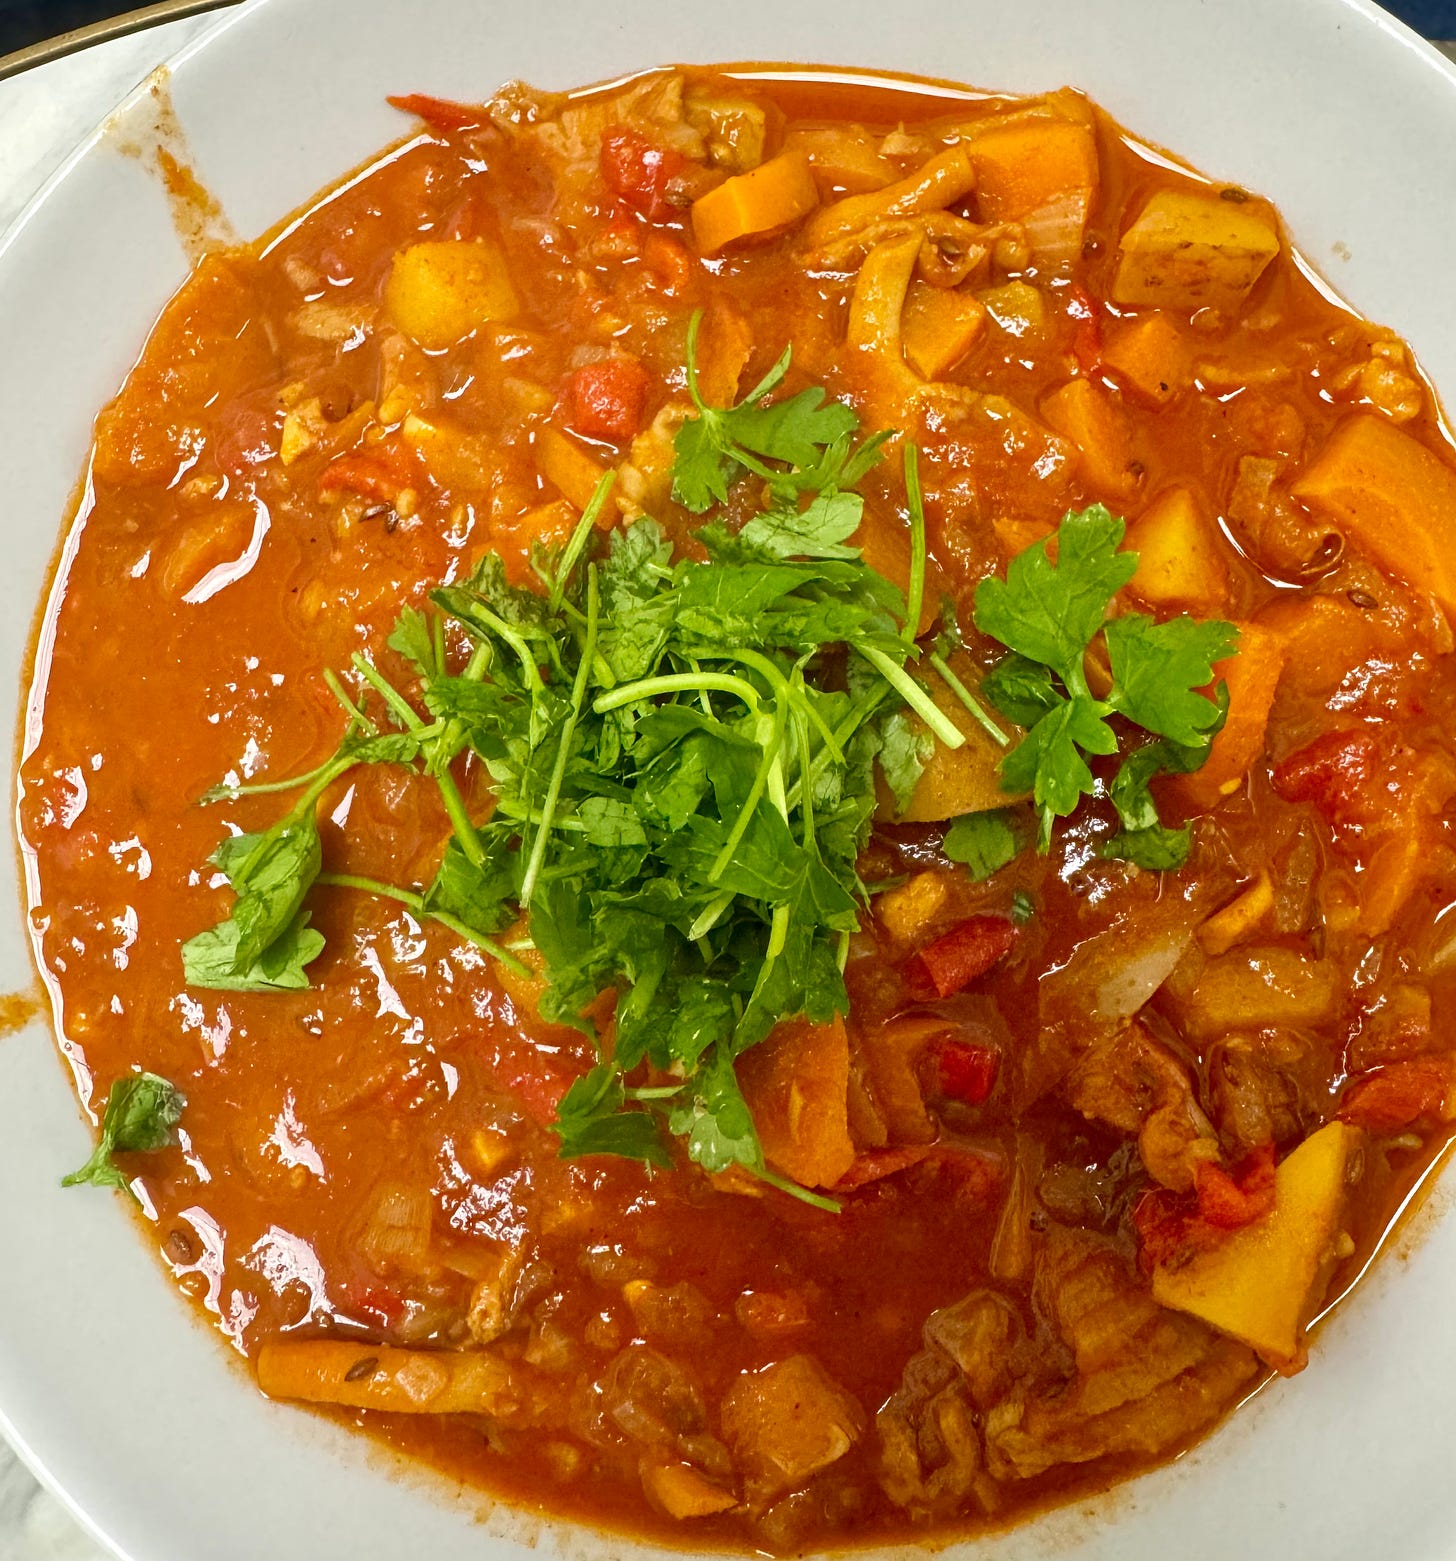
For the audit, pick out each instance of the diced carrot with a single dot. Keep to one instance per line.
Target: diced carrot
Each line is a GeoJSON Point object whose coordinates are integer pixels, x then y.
{"type": "Point", "coordinates": [607, 399]}
{"type": "Point", "coordinates": [1227, 1200]}
{"type": "Point", "coordinates": [379, 471]}
{"type": "Point", "coordinates": [1179, 560]}
{"type": "Point", "coordinates": [1148, 355]}
{"type": "Point", "coordinates": [440, 113]}
{"type": "Point", "coordinates": [568, 467]}
{"type": "Point", "coordinates": [1394, 498]}
{"type": "Point", "coordinates": [796, 1083]}
{"type": "Point", "coordinates": [967, 1070]}
{"type": "Point", "coordinates": [767, 199]}
{"type": "Point", "coordinates": [1252, 675]}
{"type": "Point", "coordinates": [638, 171]}
{"type": "Point", "coordinates": [376, 1376]}
{"type": "Point", "coordinates": [1084, 412]}
{"type": "Point", "coordinates": [1331, 772]}
{"type": "Point", "coordinates": [1398, 1097]}
{"type": "Point", "coordinates": [962, 955]}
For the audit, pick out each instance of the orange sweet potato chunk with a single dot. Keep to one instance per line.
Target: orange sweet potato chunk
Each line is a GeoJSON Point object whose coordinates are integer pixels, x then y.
{"type": "Point", "coordinates": [796, 1084]}
{"type": "Point", "coordinates": [1252, 675]}
{"type": "Point", "coordinates": [1393, 498]}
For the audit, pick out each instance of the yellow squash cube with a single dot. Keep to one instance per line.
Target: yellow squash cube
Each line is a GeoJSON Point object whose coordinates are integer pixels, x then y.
{"type": "Point", "coordinates": [1261, 1283]}
{"type": "Point", "coordinates": [1191, 249]}
{"type": "Point", "coordinates": [438, 293]}
{"type": "Point", "coordinates": [1179, 563]}
{"type": "Point", "coordinates": [938, 327]}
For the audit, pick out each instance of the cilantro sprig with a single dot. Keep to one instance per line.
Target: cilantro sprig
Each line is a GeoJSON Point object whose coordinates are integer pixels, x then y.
{"type": "Point", "coordinates": [142, 1110]}
{"type": "Point", "coordinates": [1048, 615]}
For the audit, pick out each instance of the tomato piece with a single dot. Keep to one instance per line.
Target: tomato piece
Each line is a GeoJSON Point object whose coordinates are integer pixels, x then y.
{"type": "Point", "coordinates": [1399, 1096]}
{"type": "Point", "coordinates": [967, 1070]}
{"type": "Point", "coordinates": [607, 399]}
{"type": "Point", "coordinates": [1087, 330]}
{"type": "Point", "coordinates": [964, 954]}
{"type": "Point", "coordinates": [378, 1300]}
{"type": "Point", "coordinates": [873, 1165]}
{"type": "Point", "coordinates": [667, 259]}
{"type": "Point", "coordinates": [1227, 1199]}
{"type": "Point", "coordinates": [440, 113]}
{"type": "Point", "coordinates": [1330, 772]}
{"type": "Point", "coordinates": [380, 471]}
{"type": "Point", "coordinates": [638, 171]}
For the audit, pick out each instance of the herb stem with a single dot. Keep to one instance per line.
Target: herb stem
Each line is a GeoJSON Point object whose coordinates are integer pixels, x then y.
{"type": "Point", "coordinates": [815, 1200]}
{"type": "Point", "coordinates": [404, 711]}
{"type": "Point", "coordinates": [571, 555]}
{"type": "Point", "coordinates": [915, 501]}
{"type": "Point", "coordinates": [412, 900]}
{"type": "Point", "coordinates": [355, 714]}
{"type": "Point", "coordinates": [973, 706]}
{"type": "Point", "coordinates": [676, 683]}
{"type": "Point", "coordinates": [914, 696]}
{"type": "Point", "coordinates": [568, 732]}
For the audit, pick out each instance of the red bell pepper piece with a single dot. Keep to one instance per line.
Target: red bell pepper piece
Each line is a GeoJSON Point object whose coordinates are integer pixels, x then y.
{"type": "Point", "coordinates": [965, 953]}
{"type": "Point", "coordinates": [440, 113]}
{"type": "Point", "coordinates": [1398, 1097]}
{"type": "Point", "coordinates": [1227, 1199]}
{"type": "Point", "coordinates": [607, 399]}
{"type": "Point", "coordinates": [967, 1070]}
{"type": "Point", "coordinates": [637, 171]}
{"type": "Point", "coordinates": [378, 471]}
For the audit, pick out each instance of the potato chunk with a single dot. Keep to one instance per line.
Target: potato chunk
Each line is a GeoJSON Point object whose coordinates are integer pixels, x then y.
{"type": "Point", "coordinates": [1260, 1283]}
{"type": "Point", "coordinates": [1190, 249]}
{"type": "Point", "coordinates": [1393, 498]}
{"type": "Point", "coordinates": [1042, 174]}
{"type": "Point", "coordinates": [1179, 564]}
{"type": "Point", "coordinates": [787, 1422]}
{"type": "Point", "coordinates": [438, 293]}
{"type": "Point", "coordinates": [939, 326]}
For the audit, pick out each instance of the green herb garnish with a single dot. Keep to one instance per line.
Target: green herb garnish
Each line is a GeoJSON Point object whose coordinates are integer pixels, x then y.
{"type": "Point", "coordinates": [141, 1112]}
{"type": "Point", "coordinates": [986, 842]}
{"type": "Point", "coordinates": [1047, 615]}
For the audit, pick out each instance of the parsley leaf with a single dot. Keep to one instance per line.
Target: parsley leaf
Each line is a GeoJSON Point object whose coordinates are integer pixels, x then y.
{"type": "Point", "coordinates": [1049, 612]}
{"type": "Point", "coordinates": [984, 842]}
{"type": "Point", "coordinates": [1158, 668]}
{"type": "Point", "coordinates": [141, 1112]}
{"type": "Point", "coordinates": [591, 1120]}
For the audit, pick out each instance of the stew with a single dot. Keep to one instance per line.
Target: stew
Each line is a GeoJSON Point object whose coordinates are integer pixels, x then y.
{"type": "Point", "coordinates": [740, 801]}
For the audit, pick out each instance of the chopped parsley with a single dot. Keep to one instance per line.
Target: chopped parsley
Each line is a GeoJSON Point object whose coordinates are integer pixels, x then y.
{"type": "Point", "coordinates": [682, 754]}
{"type": "Point", "coordinates": [141, 1112]}
{"type": "Point", "coordinates": [1047, 615]}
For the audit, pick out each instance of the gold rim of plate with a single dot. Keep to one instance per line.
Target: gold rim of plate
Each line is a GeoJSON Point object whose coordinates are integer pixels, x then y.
{"type": "Point", "coordinates": [103, 32]}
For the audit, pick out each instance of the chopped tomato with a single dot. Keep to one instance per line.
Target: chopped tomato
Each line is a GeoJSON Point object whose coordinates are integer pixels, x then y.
{"type": "Point", "coordinates": [440, 113]}
{"type": "Point", "coordinates": [607, 399]}
{"type": "Point", "coordinates": [1087, 332]}
{"type": "Point", "coordinates": [1399, 1096]}
{"type": "Point", "coordinates": [637, 171]}
{"type": "Point", "coordinates": [380, 471]}
{"type": "Point", "coordinates": [1230, 1199]}
{"type": "Point", "coordinates": [667, 260]}
{"type": "Point", "coordinates": [377, 1300]}
{"type": "Point", "coordinates": [1170, 1230]}
{"type": "Point", "coordinates": [967, 1070]}
{"type": "Point", "coordinates": [1330, 772]}
{"type": "Point", "coordinates": [965, 953]}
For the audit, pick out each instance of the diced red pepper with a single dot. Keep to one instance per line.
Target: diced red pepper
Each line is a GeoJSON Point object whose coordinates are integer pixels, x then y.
{"type": "Point", "coordinates": [1398, 1097]}
{"type": "Point", "coordinates": [440, 113]}
{"type": "Point", "coordinates": [637, 171]}
{"type": "Point", "coordinates": [964, 954]}
{"type": "Point", "coordinates": [1227, 1199]}
{"type": "Point", "coordinates": [1086, 331]}
{"type": "Point", "coordinates": [607, 399]}
{"type": "Point", "coordinates": [379, 471]}
{"type": "Point", "coordinates": [967, 1070]}
{"type": "Point", "coordinates": [377, 1300]}
{"type": "Point", "coordinates": [1331, 772]}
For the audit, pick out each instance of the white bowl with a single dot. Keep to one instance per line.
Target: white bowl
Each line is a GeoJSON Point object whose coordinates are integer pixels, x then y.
{"type": "Point", "coordinates": [114, 1394]}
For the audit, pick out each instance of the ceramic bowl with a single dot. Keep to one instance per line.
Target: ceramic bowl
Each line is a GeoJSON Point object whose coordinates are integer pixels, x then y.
{"type": "Point", "coordinates": [117, 1396]}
